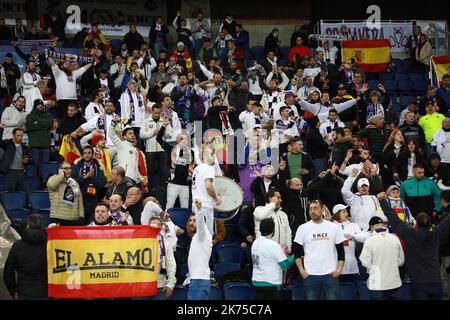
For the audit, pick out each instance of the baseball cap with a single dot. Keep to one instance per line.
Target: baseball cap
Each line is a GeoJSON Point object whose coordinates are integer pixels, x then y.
{"type": "Point", "coordinates": [375, 220]}
{"type": "Point", "coordinates": [266, 227]}
{"type": "Point", "coordinates": [180, 44]}
{"type": "Point", "coordinates": [363, 182]}
{"type": "Point", "coordinates": [38, 102]}
{"type": "Point", "coordinates": [341, 87]}
{"type": "Point", "coordinates": [338, 208]}
{"type": "Point", "coordinates": [289, 94]}
{"type": "Point", "coordinates": [131, 81]}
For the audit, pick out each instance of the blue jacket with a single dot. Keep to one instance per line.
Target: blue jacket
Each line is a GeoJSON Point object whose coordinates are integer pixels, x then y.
{"type": "Point", "coordinates": [243, 41]}
{"type": "Point", "coordinates": [443, 100]}
{"type": "Point", "coordinates": [9, 149]}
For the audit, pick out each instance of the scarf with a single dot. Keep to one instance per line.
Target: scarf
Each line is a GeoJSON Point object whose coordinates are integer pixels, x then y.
{"type": "Point", "coordinates": [131, 101]}
{"type": "Point", "coordinates": [273, 100]}
{"type": "Point", "coordinates": [162, 254]}
{"type": "Point", "coordinates": [142, 169]}
{"type": "Point", "coordinates": [70, 192]}
{"type": "Point", "coordinates": [185, 101]}
{"type": "Point", "coordinates": [63, 56]}
{"type": "Point", "coordinates": [116, 216]}
{"type": "Point", "coordinates": [85, 168]}
{"type": "Point", "coordinates": [35, 43]}
{"type": "Point", "coordinates": [181, 156]}
{"type": "Point", "coordinates": [284, 124]}
{"type": "Point", "coordinates": [226, 126]}
{"type": "Point", "coordinates": [350, 75]}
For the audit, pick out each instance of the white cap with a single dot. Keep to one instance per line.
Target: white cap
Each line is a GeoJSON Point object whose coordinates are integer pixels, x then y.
{"type": "Point", "coordinates": [180, 44]}
{"type": "Point", "coordinates": [362, 182]}
{"type": "Point", "coordinates": [338, 208]}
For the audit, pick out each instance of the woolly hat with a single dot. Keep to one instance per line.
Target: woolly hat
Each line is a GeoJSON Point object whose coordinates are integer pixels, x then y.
{"type": "Point", "coordinates": [96, 139]}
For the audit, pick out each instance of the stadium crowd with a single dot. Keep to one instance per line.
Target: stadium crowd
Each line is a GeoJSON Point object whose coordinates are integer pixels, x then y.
{"type": "Point", "coordinates": [341, 187]}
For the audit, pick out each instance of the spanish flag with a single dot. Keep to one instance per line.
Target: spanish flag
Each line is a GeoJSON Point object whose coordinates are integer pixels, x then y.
{"type": "Point", "coordinates": [102, 262]}
{"type": "Point", "coordinates": [69, 150]}
{"type": "Point", "coordinates": [439, 67]}
{"type": "Point", "coordinates": [370, 55]}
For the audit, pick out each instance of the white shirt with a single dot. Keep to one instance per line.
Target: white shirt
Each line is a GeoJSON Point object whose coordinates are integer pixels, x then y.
{"type": "Point", "coordinates": [200, 249]}
{"type": "Point", "coordinates": [313, 72]}
{"type": "Point", "coordinates": [288, 127]}
{"type": "Point", "coordinates": [442, 142]}
{"type": "Point", "coordinates": [303, 92]}
{"type": "Point", "coordinates": [93, 124]}
{"type": "Point", "coordinates": [329, 54]}
{"type": "Point", "coordinates": [201, 173]}
{"type": "Point", "coordinates": [139, 112]}
{"type": "Point", "coordinates": [151, 209]}
{"type": "Point", "coordinates": [93, 109]}
{"type": "Point", "coordinates": [66, 86]}
{"type": "Point", "coordinates": [122, 70]}
{"type": "Point", "coordinates": [252, 120]}
{"type": "Point", "coordinates": [349, 229]}
{"type": "Point", "coordinates": [266, 254]}
{"type": "Point", "coordinates": [319, 244]}
{"type": "Point", "coordinates": [327, 127]}
{"type": "Point", "coordinates": [276, 110]}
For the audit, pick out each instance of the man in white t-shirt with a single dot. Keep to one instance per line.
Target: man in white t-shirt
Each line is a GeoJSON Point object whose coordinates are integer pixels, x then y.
{"type": "Point", "coordinates": [203, 186]}
{"type": "Point", "coordinates": [199, 256]}
{"type": "Point", "coordinates": [269, 261]}
{"type": "Point", "coordinates": [319, 254]}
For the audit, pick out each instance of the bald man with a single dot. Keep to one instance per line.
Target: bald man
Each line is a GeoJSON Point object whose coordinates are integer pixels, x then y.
{"type": "Point", "coordinates": [117, 213]}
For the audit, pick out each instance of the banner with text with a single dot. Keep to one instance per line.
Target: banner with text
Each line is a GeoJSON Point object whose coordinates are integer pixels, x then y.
{"type": "Point", "coordinates": [396, 32]}
{"type": "Point", "coordinates": [102, 262]}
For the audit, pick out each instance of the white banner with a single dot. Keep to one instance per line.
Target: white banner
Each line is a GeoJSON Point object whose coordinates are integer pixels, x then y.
{"type": "Point", "coordinates": [109, 30]}
{"type": "Point", "coordinates": [397, 32]}
{"type": "Point", "coordinates": [428, 28]}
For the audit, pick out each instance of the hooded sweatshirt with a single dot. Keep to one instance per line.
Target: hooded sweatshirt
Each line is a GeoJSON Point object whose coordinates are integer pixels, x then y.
{"type": "Point", "coordinates": [28, 258]}
{"type": "Point", "coordinates": [39, 124]}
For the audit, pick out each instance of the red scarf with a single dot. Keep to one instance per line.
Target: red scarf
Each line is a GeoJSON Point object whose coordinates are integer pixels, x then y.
{"type": "Point", "coordinates": [141, 166]}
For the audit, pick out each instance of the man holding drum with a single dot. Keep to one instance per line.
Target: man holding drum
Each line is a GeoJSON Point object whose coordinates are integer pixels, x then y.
{"type": "Point", "coordinates": [203, 186]}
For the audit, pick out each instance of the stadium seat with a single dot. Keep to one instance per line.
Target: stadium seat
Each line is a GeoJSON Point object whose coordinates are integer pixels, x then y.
{"type": "Point", "coordinates": [401, 76]}
{"type": "Point", "coordinates": [258, 53]}
{"type": "Point", "coordinates": [45, 217]}
{"type": "Point", "coordinates": [397, 107]}
{"type": "Point", "coordinates": [179, 293]}
{"type": "Point", "coordinates": [31, 170]}
{"type": "Point", "coordinates": [390, 85]}
{"type": "Point", "coordinates": [284, 52]}
{"type": "Point", "coordinates": [18, 214]}
{"type": "Point", "coordinates": [283, 62]}
{"type": "Point", "coordinates": [34, 184]}
{"type": "Point", "coordinates": [229, 253]}
{"type": "Point", "coordinates": [386, 76]}
{"type": "Point", "coordinates": [47, 169]}
{"type": "Point", "coordinates": [363, 291]}
{"type": "Point", "coordinates": [420, 86]}
{"type": "Point", "coordinates": [221, 269]}
{"type": "Point", "coordinates": [397, 62]}
{"type": "Point", "coordinates": [413, 76]}
{"type": "Point", "coordinates": [238, 291]}
{"type": "Point", "coordinates": [233, 235]}
{"type": "Point", "coordinates": [298, 292]}
{"type": "Point", "coordinates": [347, 290]}
{"type": "Point", "coordinates": [408, 63]}
{"type": "Point", "coordinates": [13, 200]}
{"type": "Point", "coordinates": [75, 51]}
{"type": "Point", "coordinates": [215, 293]}
{"type": "Point", "coordinates": [405, 85]}
{"type": "Point", "coordinates": [179, 216]}
{"type": "Point", "coordinates": [2, 184]}
{"type": "Point", "coordinates": [405, 100]}
{"type": "Point", "coordinates": [39, 201]}
{"type": "Point", "coordinates": [373, 84]}
{"type": "Point", "coordinates": [115, 44]}
{"type": "Point", "coordinates": [401, 69]}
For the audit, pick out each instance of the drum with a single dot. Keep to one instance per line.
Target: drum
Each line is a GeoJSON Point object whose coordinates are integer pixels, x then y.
{"type": "Point", "coordinates": [232, 198]}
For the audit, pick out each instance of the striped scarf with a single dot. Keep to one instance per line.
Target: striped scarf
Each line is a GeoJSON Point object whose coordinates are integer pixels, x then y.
{"type": "Point", "coordinates": [140, 104]}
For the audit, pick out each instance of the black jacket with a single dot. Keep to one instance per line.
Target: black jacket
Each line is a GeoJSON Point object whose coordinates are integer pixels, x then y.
{"type": "Point", "coordinates": [41, 67]}
{"type": "Point", "coordinates": [133, 41]}
{"type": "Point", "coordinates": [422, 247]}
{"type": "Point", "coordinates": [28, 258]}
{"type": "Point", "coordinates": [340, 149]}
{"type": "Point", "coordinates": [69, 125]}
{"type": "Point", "coordinates": [247, 222]}
{"type": "Point", "coordinates": [258, 189]}
{"type": "Point", "coordinates": [400, 164]}
{"type": "Point", "coordinates": [9, 151]}
{"type": "Point", "coordinates": [120, 189]}
{"type": "Point", "coordinates": [271, 44]}
{"type": "Point", "coordinates": [152, 36]}
{"type": "Point", "coordinates": [317, 148]}
{"type": "Point", "coordinates": [413, 131]}
{"type": "Point", "coordinates": [445, 244]}
{"type": "Point", "coordinates": [330, 190]}
{"type": "Point", "coordinates": [135, 212]}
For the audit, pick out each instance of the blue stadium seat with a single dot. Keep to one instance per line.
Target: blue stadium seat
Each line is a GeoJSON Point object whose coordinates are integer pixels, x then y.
{"type": "Point", "coordinates": [401, 69]}
{"type": "Point", "coordinates": [420, 86]}
{"type": "Point", "coordinates": [401, 76]}
{"type": "Point", "coordinates": [390, 85]}
{"type": "Point", "coordinates": [229, 253]}
{"type": "Point", "coordinates": [363, 291]}
{"type": "Point", "coordinates": [13, 200]}
{"type": "Point", "coordinates": [413, 76]}
{"type": "Point", "coordinates": [47, 169]}
{"type": "Point", "coordinates": [221, 269]}
{"type": "Point", "coordinates": [115, 44]}
{"type": "Point", "coordinates": [215, 293]}
{"type": "Point", "coordinates": [18, 214]}
{"type": "Point", "coordinates": [39, 201]}
{"type": "Point", "coordinates": [72, 50]}
{"type": "Point", "coordinates": [34, 184]}
{"type": "Point", "coordinates": [408, 63]}
{"type": "Point", "coordinates": [298, 292]}
{"type": "Point", "coordinates": [284, 52]}
{"type": "Point", "coordinates": [397, 62]}
{"type": "Point", "coordinates": [179, 216]}
{"type": "Point", "coordinates": [373, 84]}
{"type": "Point", "coordinates": [233, 235]}
{"type": "Point", "coordinates": [238, 291]}
{"type": "Point", "coordinates": [347, 290]}
{"type": "Point", "coordinates": [397, 107]}
{"type": "Point", "coordinates": [31, 170]}
{"type": "Point", "coordinates": [179, 293]}
{"type": "Point", "coordinates": [283, 62]}
{"type": "Point", "coordinates": [258, 53]}
{"type": "Point", "coordinates": [45, 217]}
{"type": "Point", "coordinates": [405, 100]}
{"type": "Point", "coordinates": [386, 76]}
{"type": "Point", "coordinates": [405, 85]}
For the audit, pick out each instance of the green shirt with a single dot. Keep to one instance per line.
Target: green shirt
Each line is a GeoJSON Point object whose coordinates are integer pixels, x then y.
{"type": "Point", "coordinates": [431, 123]}
{"type": "Point", "coordinates": [295, 164]}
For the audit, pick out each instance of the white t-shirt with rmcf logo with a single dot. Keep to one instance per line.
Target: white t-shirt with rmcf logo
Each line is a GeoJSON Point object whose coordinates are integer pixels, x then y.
{"type": "Point", "coordinates": [319, 243]}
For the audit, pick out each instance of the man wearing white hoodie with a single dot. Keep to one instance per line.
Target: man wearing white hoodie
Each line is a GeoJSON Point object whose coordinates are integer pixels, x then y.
{"type": "Point", "coordinates": [382, 254]}
{"type": "Point", "coordinates": [283, 233]}
{"type": "Point", "coordinates": [13, 117]}
{"type": "Point", "coordinates": [442, 141]}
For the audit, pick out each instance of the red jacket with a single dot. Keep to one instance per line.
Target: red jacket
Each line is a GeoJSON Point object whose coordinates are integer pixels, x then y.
{"type": "Point", "coordinates": [300, 50]}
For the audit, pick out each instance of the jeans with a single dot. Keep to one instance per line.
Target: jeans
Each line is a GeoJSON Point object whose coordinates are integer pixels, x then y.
{"type": "Point", "coordinates": [159, 296]}
{"type": "Point", "coordinates": [318, 165]}
{"type": "Point", "coordinates": [199, 289]}
{"type": "Point", "coordinates": [39, 155]}
{"type": "Point", "coordinates": [394, 294]}
{"type": "Point", "coordinates": [209, 217]}
{"type": "Point", "coordinates": [314, 285]}
{"type": "Point", "coordinates": [16, 180]}
{"type": "Point", "coordinates": [158, 47]}
{"type": "Point", "coordinates": [157, 165]}
{"type": "Point", "coordinates": [427, 291]}
{"type": "Point", "coordinates": [174, 191]}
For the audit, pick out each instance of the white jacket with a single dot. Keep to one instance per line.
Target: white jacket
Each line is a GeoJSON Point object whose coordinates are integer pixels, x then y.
{"type": "Point", "coordinates": [148, 133]}
{"type": "Point", "coordinates": [442, 142]}
{"type": "Point", "coordinates": [362, 207]}
{"type": "Point", "coordinates": [140, 113]}
{"type": "Point", "coordinates": [283, 233]}
{"type": "Point", "coordinates": [352, 229]}
{"type": "Point", "coordinates": [169, 279]}
{"type": "Point", "coordinates": [267, 98]}
{"type": "Point", "coordinates": [127, 155]}
{"type": "Point", "coordinates": [12, 118]}
{"type": "Point", "coordinates": [382, 254]}
{"type": "Point", "coordinates": [321, 111]}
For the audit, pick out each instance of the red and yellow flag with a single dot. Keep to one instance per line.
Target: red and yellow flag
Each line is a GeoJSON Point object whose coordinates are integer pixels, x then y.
{"type": "Point", "coordinates": [370, 55]}
{"type": "Point", "coordinates": [69, 150]}
{"type": "Point", "coordinates": [440, 66]}
{"type": "Point", "coordinates": [102, 262]}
